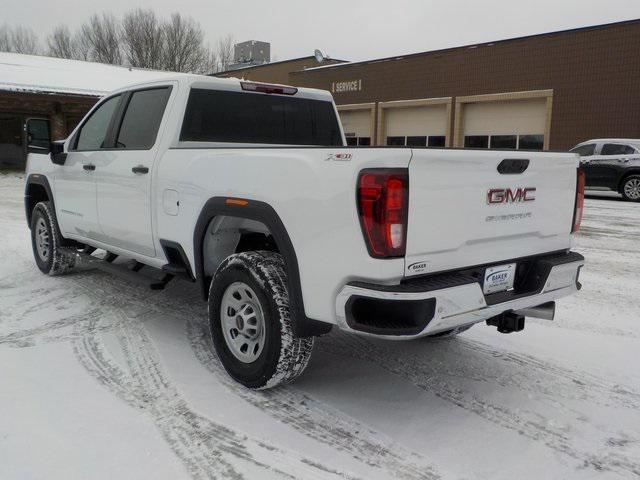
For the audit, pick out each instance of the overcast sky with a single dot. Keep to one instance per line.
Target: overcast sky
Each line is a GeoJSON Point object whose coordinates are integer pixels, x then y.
{"type": "Point", "coordinates": [346, 29]}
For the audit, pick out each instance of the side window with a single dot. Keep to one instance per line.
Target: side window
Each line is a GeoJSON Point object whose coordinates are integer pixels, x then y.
{"type": "Point", "coordinates": [585, 150]}
{"type": "Point", "coordinates": [139, 127]}
{"type": "Point", "coordinates": [94, 131]}
{"type": "Point", "coordinates": [617, 149]}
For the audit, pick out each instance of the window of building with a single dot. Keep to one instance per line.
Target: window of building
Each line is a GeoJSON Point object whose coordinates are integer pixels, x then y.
{"type": "Point", "coordinates": [476, 141]}
{"type": "Point", "coordinates": [585, 150]}
{"type": "Point", "coordinates": [396, 141]}
{"type": "Point", "coordinates": [617, 149]}
{"type": "Point", "coordinates": [504, 141]}
{"type": "Point", "coordinates": [438, 141]}
{"type": "Point", "coordinates": [142, 118]}
{"type": "Point", "coordinates": [512, 142]}
{"type": "Point", "coordinates": [416, 141]}
{"type": "Point", "coordinates": [531, 142]}
{"type": "Point", "coordinates": [354, 141]}
{"type": "Point", "coordinates": [94, 131]}
{"type": "Point", "coordinates": [233, 117]}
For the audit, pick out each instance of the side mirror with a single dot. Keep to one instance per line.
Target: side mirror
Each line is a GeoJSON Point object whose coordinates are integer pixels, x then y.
{"type": "Point", "coordinates": [57, 153]}
{"type": "Point", "coordinates": [38, 136]}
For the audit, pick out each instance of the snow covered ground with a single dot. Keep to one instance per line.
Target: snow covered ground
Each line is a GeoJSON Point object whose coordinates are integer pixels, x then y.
{"type": "Point", "coordinates": [104, 379]}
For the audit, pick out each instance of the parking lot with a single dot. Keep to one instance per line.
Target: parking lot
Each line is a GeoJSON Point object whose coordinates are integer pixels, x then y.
{"type": "Point", "coordinates": [104, 379]}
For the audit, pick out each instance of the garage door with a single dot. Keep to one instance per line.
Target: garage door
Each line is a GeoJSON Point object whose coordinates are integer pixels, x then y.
{"type": "Point", "coordinates": [357, 126]}
{"type": "Point", "coordinates": [416, 126]}
{"type": "Point", "coordinates": [517, 124]}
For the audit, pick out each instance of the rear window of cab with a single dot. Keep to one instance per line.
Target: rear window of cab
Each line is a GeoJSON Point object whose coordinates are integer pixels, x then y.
{"type": "Point", "coordinates": [236, 117]}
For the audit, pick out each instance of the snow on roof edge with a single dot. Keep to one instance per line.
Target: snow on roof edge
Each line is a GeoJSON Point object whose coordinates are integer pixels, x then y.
{"type": "Point", "coordinates": [40, 74]}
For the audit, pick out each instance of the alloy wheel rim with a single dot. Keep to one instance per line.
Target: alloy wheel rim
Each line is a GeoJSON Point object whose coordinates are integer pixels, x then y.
{"type": "Point", "coordinates": [632, 189]}
{"type": "Point", "coordinates": [242, 321]}
{"type": "Point", "coordinates": [43, 240]}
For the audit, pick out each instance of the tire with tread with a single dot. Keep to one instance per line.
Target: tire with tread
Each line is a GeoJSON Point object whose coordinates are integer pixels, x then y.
{"type": "Point", "coordinates": [55, 260]}
{"type": "Point", "coordinates": [284, 356]}
{"type": "Point", "coordinates": [631, 188]}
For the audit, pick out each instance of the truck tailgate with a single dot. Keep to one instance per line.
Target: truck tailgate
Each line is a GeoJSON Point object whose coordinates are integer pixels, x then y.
{"type": "Point", "coordinates": [454, 220]}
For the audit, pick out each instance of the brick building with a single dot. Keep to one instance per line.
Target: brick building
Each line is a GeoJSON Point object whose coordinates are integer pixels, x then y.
{"type": "Point", "coordinates": [53, 91]}
{"type": "Point", "coordinates": [548, 91]}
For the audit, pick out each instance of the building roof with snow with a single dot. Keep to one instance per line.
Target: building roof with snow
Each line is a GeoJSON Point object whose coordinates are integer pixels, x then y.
{"type": "Point", "coordinates": [37, 74]}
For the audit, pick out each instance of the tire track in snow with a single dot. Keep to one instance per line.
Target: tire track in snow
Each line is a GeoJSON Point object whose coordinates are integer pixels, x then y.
{"type": "Point", "coordinates": [316, 420]}
{"type": "Point", "coordinates": [306, 415]}
{"type": "Point", "coordinates": [207, 449]}
{"type": "Point", "coordinates": [426, 376]}
{"type": "Point", "coordinates": [589, 387]}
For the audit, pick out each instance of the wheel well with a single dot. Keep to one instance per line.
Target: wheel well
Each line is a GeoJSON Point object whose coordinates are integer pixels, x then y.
{"type": "Point", "coordinates": [624, 178]}
{"type": "Point", "coordinates": [226, 235]}
{"type": "Point", "coordinates": [219, 233]}
{"type": "Point", "coordinates": [35, 193]}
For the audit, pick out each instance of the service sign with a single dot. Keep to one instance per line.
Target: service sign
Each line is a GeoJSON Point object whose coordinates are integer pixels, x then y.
{"type": "Point", "coordinates": [346, 86]}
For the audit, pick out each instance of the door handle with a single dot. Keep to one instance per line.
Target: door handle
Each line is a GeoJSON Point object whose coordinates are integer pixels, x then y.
{"type": "Point", "coordinates": [90, 167]}
{"type": "Point", "coordinates": [140, 169]}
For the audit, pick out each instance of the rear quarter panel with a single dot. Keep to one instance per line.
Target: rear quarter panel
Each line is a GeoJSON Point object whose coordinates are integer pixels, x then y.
{"type": "Point", "coordinates": [313, 194]}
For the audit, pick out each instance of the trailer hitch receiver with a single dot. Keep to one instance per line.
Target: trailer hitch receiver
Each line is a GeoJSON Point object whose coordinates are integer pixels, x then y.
{"type": "Point", "coordinates": [507, 322]}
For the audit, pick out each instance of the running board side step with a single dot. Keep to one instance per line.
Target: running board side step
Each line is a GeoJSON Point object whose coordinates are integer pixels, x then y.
{"type": "Point", "coordinates": [131, 272]}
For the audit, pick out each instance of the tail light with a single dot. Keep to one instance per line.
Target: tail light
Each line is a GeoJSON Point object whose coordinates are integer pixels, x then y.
{"type": "Point", "coordinates": [268, 88]}
{"type": "Point", "coordinates": [383, 200]}
{"type": "Point", "coordinates": [579, 208]}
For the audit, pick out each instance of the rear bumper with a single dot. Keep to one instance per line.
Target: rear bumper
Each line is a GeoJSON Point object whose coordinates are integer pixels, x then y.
{"type": "Point", "coordinates": [441, 302]}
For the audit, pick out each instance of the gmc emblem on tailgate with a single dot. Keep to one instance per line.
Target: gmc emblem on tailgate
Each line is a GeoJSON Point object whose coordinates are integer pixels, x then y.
{"type": "Point", "coordinates": [509, 195]}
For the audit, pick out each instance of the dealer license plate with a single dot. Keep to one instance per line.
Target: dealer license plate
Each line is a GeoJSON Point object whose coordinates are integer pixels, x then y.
{"type": "Point", "coordinates": [499, 278]}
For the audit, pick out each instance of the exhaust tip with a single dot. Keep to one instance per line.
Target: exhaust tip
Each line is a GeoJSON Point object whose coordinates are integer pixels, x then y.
{"type": "Point", "coordinates": [546, 311]}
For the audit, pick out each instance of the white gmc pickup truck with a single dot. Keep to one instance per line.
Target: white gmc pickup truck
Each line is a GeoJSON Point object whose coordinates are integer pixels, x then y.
{"type": "Point", "coordinates": [248, 190]}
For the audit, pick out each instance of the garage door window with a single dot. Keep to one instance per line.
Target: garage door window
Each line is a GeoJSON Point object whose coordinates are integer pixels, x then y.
{"type": "Point", "coordinates": [512, 142]}
{"type": "Point", "coordinates": [416, 141]}
{"type": "Point", "coordinates": [438, 141]}
{"type": "Point", "coordinates": [531, 142]}
{"type": "Point", "coordinates": [504, 141]}
{"type": "Point", "coordinates": [354, 141]}
{"type": "Point", "coordinates": [396, 141]}
{"type": "Point", "coordinates": [476, 141]}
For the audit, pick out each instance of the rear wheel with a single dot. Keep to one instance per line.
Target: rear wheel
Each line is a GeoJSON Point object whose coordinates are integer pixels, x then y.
{"type": "Point", "coordinates": [631, 188]}
{"type": "Point", "coordinates": [251, 326]}
{"type": "Point", "coordinates": [46, 242]}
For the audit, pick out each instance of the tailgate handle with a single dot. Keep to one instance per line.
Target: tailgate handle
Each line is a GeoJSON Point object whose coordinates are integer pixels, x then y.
{"type": "Point", "coordinates": [513, 166]}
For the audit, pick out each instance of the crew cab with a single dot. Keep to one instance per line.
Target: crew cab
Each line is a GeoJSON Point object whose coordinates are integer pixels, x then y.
{"type": "Point", "coordinates": [250, 191]}
{"type": "Point", "coordinates": [612, 164]}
